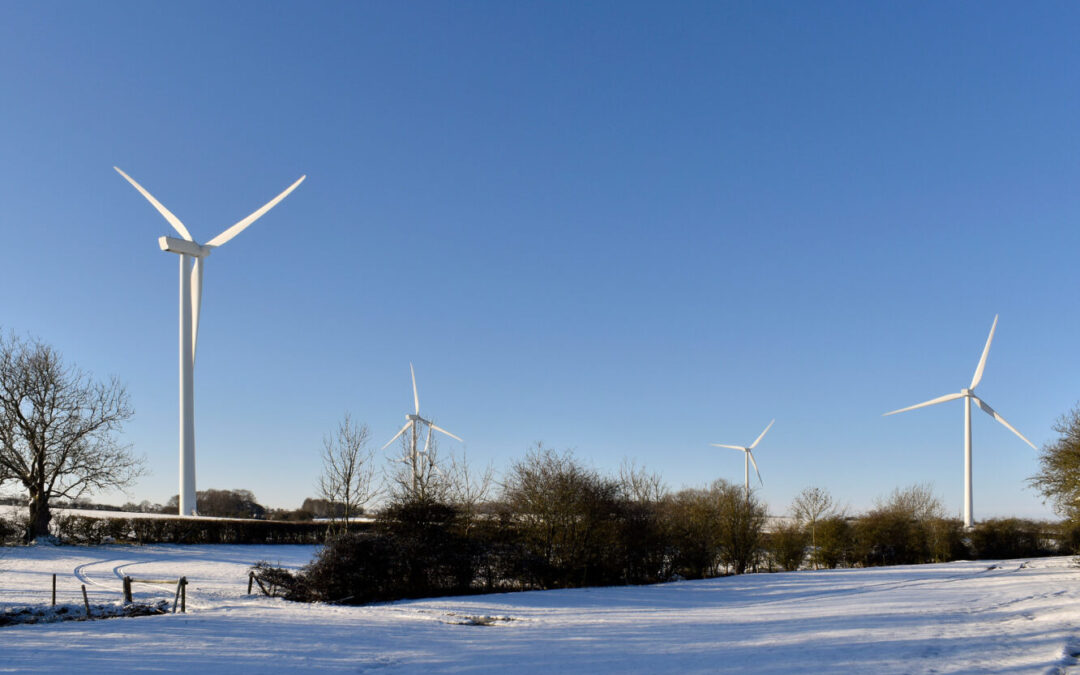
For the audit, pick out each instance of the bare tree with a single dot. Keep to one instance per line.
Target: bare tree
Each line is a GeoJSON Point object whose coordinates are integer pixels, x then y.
{"type": "Point", "coordinates": [641, 485]}
{"type": "Point", "coordinates": [56, 429]}
{"type": "Point", "coordinates": [468, 487]}
{"type": "Point", "coordinates": [918, 502]}
{"type": "Point", "coordinates": [420, 475]}
{"type": "Point", "coordinates": [348, 477]}
{"type": "Point", "coordinates": [810, 506]}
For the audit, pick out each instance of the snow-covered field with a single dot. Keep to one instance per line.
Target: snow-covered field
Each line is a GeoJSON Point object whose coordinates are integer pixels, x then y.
{"type": "Point", "coordinates": [966, 617]}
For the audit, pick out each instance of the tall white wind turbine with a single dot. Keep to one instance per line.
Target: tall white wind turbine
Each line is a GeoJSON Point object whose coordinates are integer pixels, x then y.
{"type": "Point", "coordinates": [748, 457]}
{"type": "Point", "coordinates": [193, 255]}
{"type": "Point", "coordinates": [413, 421]}
{"type": "Point", "coordinates": [969, 395]}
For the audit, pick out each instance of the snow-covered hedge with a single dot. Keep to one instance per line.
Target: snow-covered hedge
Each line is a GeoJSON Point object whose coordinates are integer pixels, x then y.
{"type": "Point", "coordinates": [91, 530]}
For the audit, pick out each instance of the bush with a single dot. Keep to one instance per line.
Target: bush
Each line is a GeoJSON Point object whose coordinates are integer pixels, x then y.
{"type": "Point", "coordinates": [642, 549]}
{"type": "Point", "coordinates": [415, 551]}
{"type": "Point", "coordinates": [9, 531]}
{"type": "Point", "coordinates": [1066, 537]}
{"type": "Point", "coordinates": [945, 540]}
{"type": "Point", "coordinates": [787, 546]}
{"type": "Point", "coordinates": [692, 520]}
{"type": "Point", "coordinates": [884, 537]}
{"type": "Point", "coordinates": [280, 583]}
{"type": "Point", "coordinates": [742, 521]}
{"type": "Point", "coordinates": [570, 518]}
{"type": "Point", "coordinates": [1009, 538]}
{"type": "Point", "coordinates": [835, 542]}
{"type": "Point", "coordinates": [899, 531]}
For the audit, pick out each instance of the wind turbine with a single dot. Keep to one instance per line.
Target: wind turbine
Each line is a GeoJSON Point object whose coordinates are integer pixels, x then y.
{"type": "Point", "coordinates": [748, 457]}
{"type": "Point", "coordinates": [969, 395]}
{"type": "Point", "coordinates": [193, 254]}
{"type": "Point", "coordinates": [412, 421]}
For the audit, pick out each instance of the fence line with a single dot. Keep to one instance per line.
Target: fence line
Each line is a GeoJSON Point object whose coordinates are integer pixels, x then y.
{"type": "Point", "coordinates": [181, 590]}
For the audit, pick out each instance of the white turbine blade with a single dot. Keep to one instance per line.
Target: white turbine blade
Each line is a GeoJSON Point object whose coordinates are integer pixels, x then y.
{"type": "Point", "coordinates": [415, 396]}
{"type": "Point", "coordinates": [754, 444]}
{"type": "Point", "coordinates": [986, 351]}
{"type": "Point", "coordinates": [173, 220]}
{"type": "Point", "coordinates": [939, 399]}
{"type": "Point", "coordinates": [441, 430]}
{"type": "Point", "coordinates": [241, 225]}
{"type": "Point", "coordinates": [751, 456]}
{"type": "Point", "coordinates": [196, 303]}
{"type": "Point", "coordinates": [407, 425]}
{"type": "Point", "coordinates": [733, 447]}
{"type": "Point", "coordinates": [993, 413]}
{"type": "Point", "coordinates": [427, 443]}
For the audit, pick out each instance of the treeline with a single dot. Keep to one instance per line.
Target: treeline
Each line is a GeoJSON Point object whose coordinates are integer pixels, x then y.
{"type": "Point", "coordinates": [108, 528]}
{"type": "Point", "coordinates": [247, 522]}
{"type": "Point", "coordinates": [213, 503]}
{"type": "Point", "coordinates": [907, 527]}
{"type": "Point", "coordinates": [559, 524]}
{"type": "Point", "coordinates": [91, 531]}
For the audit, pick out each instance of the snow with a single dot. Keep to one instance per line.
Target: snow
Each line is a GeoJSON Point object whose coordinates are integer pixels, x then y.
{"type": "Point", "coordinates": [984, 617]}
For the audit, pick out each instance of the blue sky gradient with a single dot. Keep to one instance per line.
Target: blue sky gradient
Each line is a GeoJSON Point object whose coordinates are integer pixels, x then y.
{"type": "Point", "coordinates": [627, 229]}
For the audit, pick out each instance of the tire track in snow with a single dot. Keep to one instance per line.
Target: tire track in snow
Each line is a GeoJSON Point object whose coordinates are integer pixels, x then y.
{"type": "Point", "coordinates": [85, 572]}
{"type": "Point", "coordinates": [82, 572]}
{"type": "Point", "coordinates": [888, 586]}
{"type": "Point", "coordinates": [89, 574]}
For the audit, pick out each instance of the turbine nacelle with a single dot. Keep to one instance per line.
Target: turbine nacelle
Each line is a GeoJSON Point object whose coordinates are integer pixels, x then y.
{"type": "Point", "coordinates": [414, 418]}
{"type": "Point", "coordinates": [184, 247]}
{"type": "Point", "coordinates": [748, 456]}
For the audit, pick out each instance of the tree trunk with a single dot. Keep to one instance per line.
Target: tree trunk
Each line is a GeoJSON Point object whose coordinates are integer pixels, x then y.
{"type": "Point", "coordinates": [40, 516]}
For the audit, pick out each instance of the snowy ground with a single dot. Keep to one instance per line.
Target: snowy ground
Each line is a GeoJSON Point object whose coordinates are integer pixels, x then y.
{"type": "Point", "coordinates": [966, 617]}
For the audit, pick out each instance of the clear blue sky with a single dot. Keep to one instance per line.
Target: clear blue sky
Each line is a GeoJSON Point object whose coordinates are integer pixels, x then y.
{"type": "Point", "coordinates": [623, 228]}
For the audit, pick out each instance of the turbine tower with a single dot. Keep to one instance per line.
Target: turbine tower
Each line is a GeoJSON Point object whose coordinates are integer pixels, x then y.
{"type": "Point", "coordinates": [969, 395]}
{"type": "Point", "coordinates": [748, 457]}
{"type": "Point", "coordinates": [192, 260]}
{"type": "Point", "coordinates": [412, 421]}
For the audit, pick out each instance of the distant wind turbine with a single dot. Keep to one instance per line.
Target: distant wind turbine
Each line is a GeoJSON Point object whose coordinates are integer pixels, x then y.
{"type": "Point", "coordinates": [191, 252]}
{"type": "Point", "coordinates": [969, 395]}
{"type": "Point", "coordinates": [748, 457]}
{"type": "Point", "coordinates": [413, 421]}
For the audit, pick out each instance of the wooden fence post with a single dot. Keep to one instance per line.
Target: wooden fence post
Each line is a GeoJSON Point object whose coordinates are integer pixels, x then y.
{"type": "Point", "coordinates": [86, 601]}
{"type": "Point", "coordinates": [183, 595]}
{"type": "Point", "coordinates": [251, 579]}
{"type": "Point", "coordinates": [54, 590]}
{"type": "Point", "coordinates": [261, 587]}
{"type": "Point", "coordinates": [176, 600]}
{"type": "Point", "coordinates": [127, 590]}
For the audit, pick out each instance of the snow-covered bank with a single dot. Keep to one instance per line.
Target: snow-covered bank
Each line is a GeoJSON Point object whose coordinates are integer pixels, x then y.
{"type": "Point", "coordinates": [1008, 617]}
